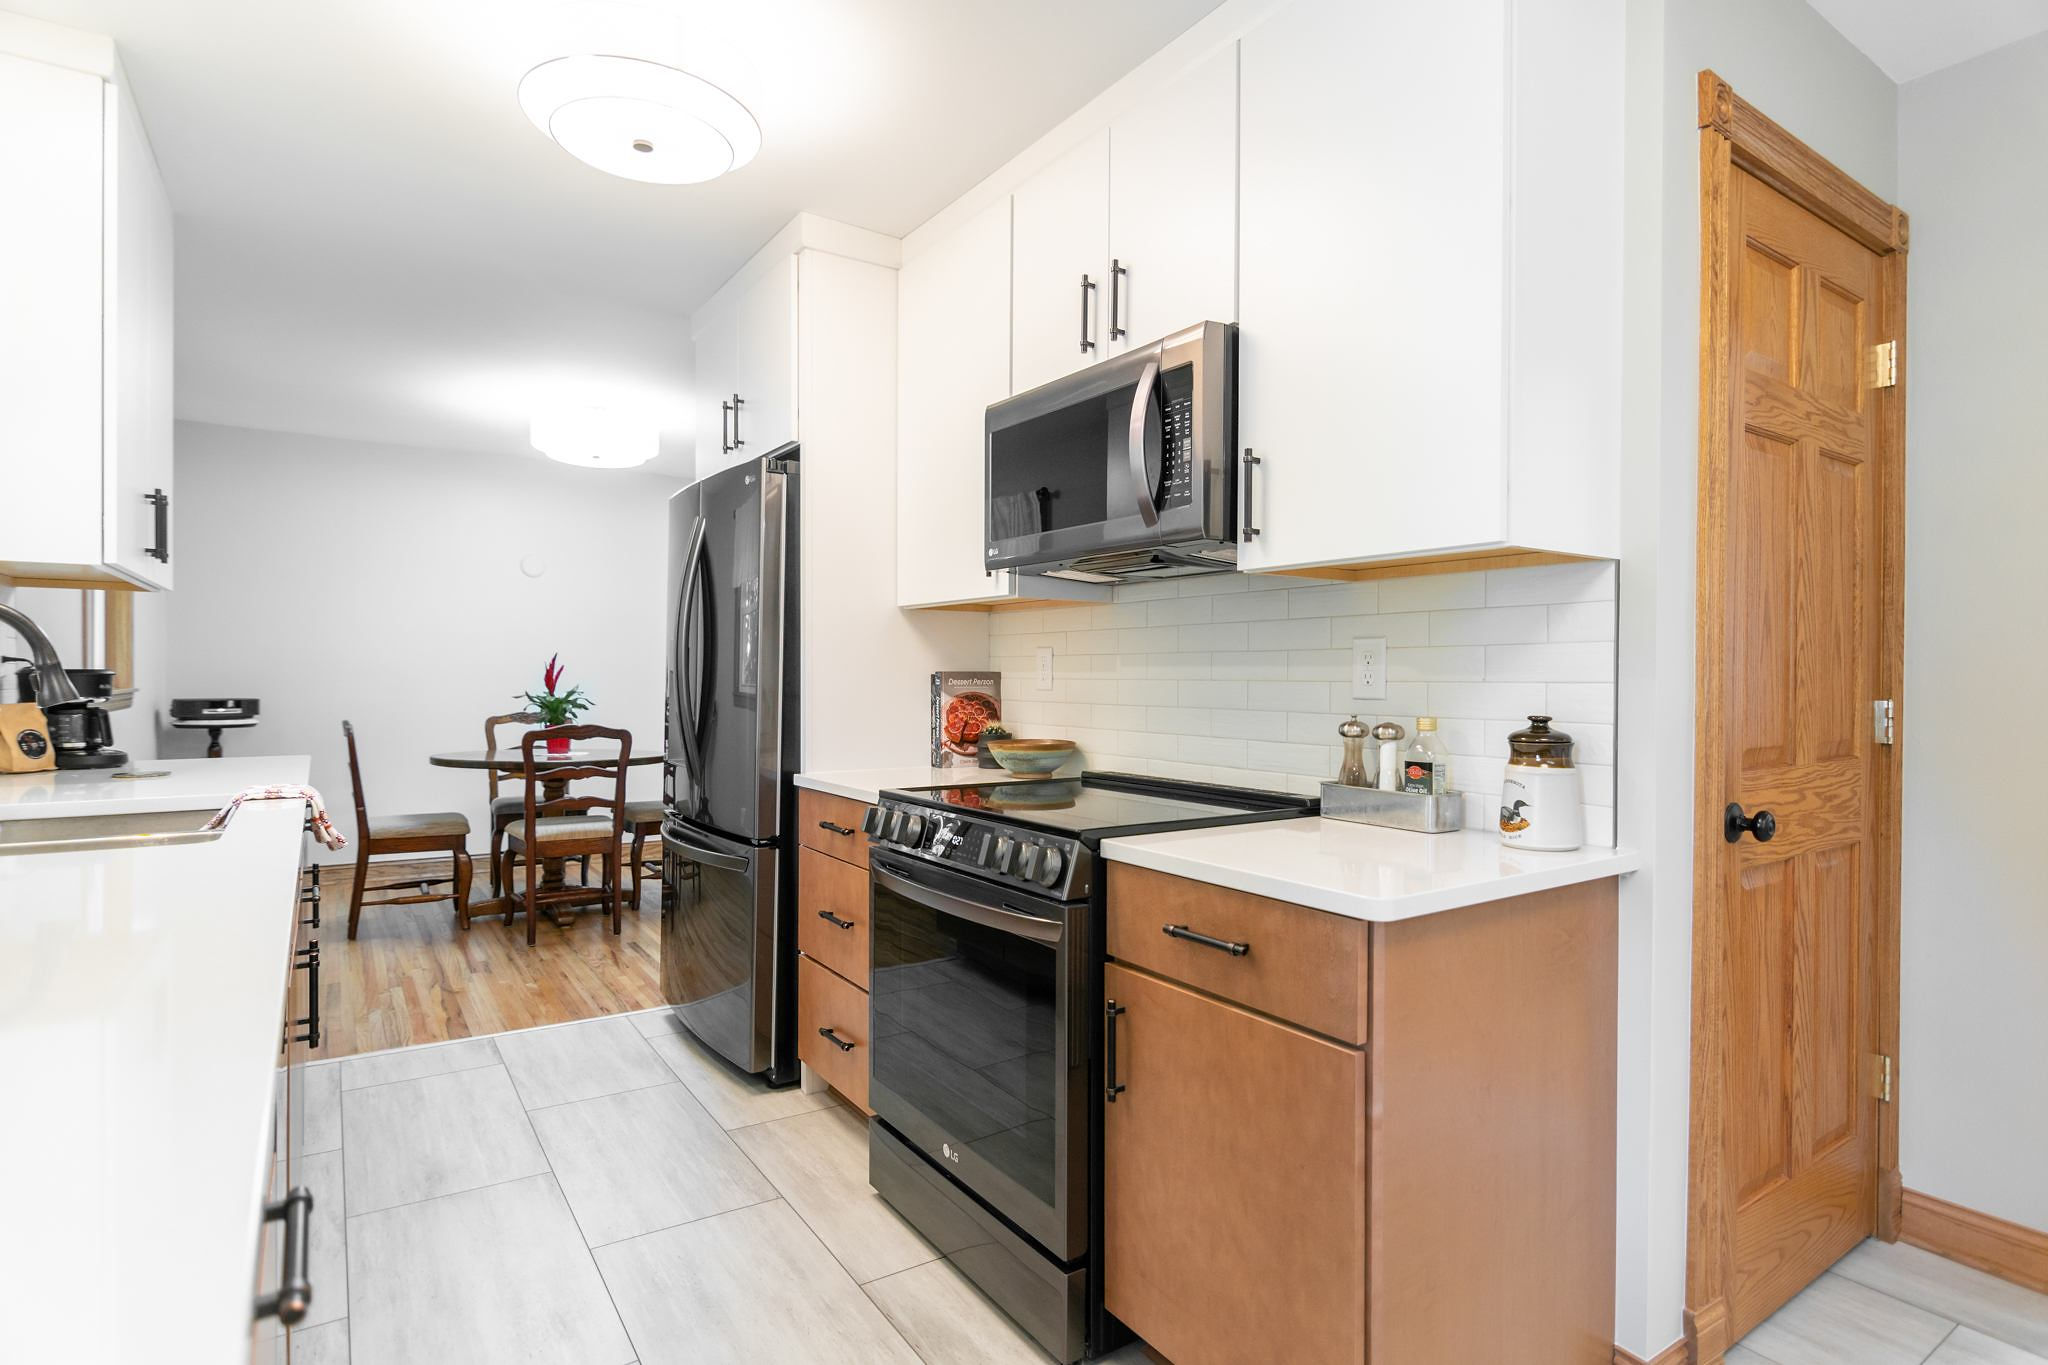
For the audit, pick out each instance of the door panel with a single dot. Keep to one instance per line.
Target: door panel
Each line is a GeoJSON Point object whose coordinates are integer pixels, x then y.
{"type": "Point", "coordinates": [1061, 233]}
{"type": "Point", "coordinates": [1800, 626]}
{"type": "Point", "coordinates": [719, 943]}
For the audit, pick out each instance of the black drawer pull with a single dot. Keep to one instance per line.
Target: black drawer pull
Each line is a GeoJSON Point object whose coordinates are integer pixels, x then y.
{"type": "Point", "coordinates": [1222, 945]}
{"type": "Point", "coordinates": [834, 920]}
{"type": "Point", "coordinates": [308, 961]}
{"type": "Point", "coordinates": [829, 1036]}
{"type": "Point", "coordinates": [1111, 1087]}
{"type": "Point", "coordinates": [831, 828]}
{"type": "Point", "coordinates": [294, 1290]}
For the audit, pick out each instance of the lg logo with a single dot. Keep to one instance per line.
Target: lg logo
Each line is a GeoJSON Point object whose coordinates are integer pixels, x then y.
{"type": "Point", "coordinates": [951, 1155]}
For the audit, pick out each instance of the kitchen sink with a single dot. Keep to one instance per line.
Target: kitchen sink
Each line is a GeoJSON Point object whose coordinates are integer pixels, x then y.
{"type": "Point", "coordinates": [80, 833]}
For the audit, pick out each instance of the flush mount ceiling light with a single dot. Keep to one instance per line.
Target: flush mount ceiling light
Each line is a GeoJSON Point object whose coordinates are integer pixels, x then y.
{"type": "Point", "coordinates": [595, 437]}
{"type": "Point", "coordinates": [639, 119]}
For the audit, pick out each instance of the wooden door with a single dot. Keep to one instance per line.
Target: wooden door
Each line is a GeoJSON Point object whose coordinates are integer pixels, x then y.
{"type": "Point", "coordinates": [1794, 574]}
{"type": "Point", "coordinates": [1173, 208]}
{"type": "Point", "coordinates": [1233, 1182]}
{"type": "Point", "coordinates": [1061, 228]}
{"type": "Point", "coordinates": [952, 361]}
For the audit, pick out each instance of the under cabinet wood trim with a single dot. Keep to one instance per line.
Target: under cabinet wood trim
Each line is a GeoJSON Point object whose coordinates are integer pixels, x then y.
{"type": "Point", "coordinates": [1306, 966]}
{"type": "Point", "coordinates": [824, 1000]}
{"type": "Point", "coordinates": [1418, 566]}
{"type": "Point", "coordinates": [829, 886]}
{"type": "Point", "coordinates": [815, 810]}
{"type": "Point", "coordinates": [1982, 1241]}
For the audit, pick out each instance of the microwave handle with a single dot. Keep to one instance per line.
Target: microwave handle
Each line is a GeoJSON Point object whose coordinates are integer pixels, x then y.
{"type": "Point", "coordinates": [1142, 403]}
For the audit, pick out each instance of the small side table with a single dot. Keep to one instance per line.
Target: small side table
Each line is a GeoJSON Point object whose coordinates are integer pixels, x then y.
{"type": "Point", "coordinates": [213, 729]}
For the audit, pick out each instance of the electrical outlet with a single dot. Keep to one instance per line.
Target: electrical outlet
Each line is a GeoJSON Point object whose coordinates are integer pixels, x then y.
{"type": "Point", "coordinates": [1369, 666]}
{"type": "Point", "coordinates": [1045, 668]}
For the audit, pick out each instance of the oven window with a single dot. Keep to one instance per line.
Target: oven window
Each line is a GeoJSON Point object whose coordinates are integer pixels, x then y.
{"type": "Point", "coordinates": [964, 1034]}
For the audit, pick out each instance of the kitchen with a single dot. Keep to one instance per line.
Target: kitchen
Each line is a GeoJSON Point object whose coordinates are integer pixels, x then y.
{"type": "Point", "coordinates": [1352, 978]}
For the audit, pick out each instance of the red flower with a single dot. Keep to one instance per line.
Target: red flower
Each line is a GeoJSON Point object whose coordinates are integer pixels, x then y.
{"type": "Point", "coordinates": [552, 674]}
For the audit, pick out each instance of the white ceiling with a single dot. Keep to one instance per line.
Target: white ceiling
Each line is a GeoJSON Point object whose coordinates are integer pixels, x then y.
{"type": "Point", "coordinates": [374, 243]}
{"type": "Point", "coordinates": [1909, 39]}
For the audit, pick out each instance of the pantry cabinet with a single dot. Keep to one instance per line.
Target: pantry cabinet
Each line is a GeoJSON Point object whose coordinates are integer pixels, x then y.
{"type": "Point", "coordinates": [1430, 284]}
{"type": "Point", "coordinates": [85, 323]}
{"type": "Point", "coordinates": [746, 369]}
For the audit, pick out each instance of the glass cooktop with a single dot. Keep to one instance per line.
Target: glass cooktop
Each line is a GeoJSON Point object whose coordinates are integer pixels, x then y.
{"type": "Point", "coordinates": [1104, 805]}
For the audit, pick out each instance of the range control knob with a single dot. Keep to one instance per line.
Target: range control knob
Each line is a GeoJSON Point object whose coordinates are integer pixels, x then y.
{"type": "Point", "coordinates": [871, 824]}
{"type": "Point", "coordinates": [913, 831]}
{"type": "Point", "coordinates": [1027, 861]}
{"type": "Point", "coordinates": [892, 826]}
{"type": "Point", "coordinates": [1005, 849]}
{"type": "Point", "coordinates": [1049, 867]}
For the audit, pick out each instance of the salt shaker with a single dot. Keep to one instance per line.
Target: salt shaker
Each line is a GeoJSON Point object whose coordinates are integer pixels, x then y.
{"type": "Point", "coordinates": [1390, 736]}
{"type": "Point", "coordinates": [1353, 772]}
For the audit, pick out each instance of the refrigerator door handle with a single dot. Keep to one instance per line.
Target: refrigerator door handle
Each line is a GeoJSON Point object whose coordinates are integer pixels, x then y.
{"type": "Point", "coordinates": [692, 564]}
{"type": "Point", "coordinates": [702, 853]}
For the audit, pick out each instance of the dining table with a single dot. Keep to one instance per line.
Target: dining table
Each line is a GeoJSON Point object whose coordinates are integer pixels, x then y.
{"type": "Point", "coordinates": [513, 761]}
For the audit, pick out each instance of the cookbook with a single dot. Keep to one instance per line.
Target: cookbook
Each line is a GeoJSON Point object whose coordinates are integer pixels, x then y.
{"type": "Point", "coordinates": [963, 705]}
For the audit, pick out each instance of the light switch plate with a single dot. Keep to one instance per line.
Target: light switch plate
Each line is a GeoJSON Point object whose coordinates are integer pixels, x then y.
{"type": "Point", "coordinates": [1369, 666]}
{"type": "Point", "coordinates": [1045, 668]}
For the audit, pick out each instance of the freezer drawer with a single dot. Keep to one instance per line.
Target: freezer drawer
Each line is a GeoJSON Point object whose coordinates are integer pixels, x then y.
{"type": "Point", "coordinates": [727, 960]}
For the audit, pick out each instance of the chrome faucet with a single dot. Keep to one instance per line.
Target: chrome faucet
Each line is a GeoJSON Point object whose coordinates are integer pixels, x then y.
{"type": "Point", "coordinates": [53, 684]}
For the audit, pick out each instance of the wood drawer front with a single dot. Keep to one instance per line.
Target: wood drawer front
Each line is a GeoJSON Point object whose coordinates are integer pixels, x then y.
{"type": "Point", "coordinates": [824, 1001]}
{"type": "Point", "coordinates": [826, 886]}
{"type": "Point", "coordinates": [1272, 1194]}
{"type": "Point", "coordinates": [1305, 966]}
{"type": "Point", "coordinates": [819, 818]}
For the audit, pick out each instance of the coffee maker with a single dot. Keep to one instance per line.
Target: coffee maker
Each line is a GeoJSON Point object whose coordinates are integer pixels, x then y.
{"type": "Point", "coordinates": [82, 732]}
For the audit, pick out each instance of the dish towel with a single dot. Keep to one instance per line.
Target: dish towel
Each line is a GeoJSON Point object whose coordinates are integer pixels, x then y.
{"type": "Point", "coordinates": [323, 828]}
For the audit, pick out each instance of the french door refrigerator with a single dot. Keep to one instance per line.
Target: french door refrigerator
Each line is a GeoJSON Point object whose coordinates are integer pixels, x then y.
{"type": "Point", "coordinates": [728, 949]}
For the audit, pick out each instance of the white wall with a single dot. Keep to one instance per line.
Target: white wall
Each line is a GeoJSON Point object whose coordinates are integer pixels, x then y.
{"type": "Point", "coordinates": [1788, 61]}
{"type": "Point", "coordinates": [384, 584]}
{"type": "Point", "coordinates": [1973, 1010]}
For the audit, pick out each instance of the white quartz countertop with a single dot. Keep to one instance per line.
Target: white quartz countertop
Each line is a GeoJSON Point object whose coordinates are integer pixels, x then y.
{"type": "Point", "coordinates": [141, 991]}
{"type": "Point", "coordinates": [185, 784]}
{"type": "Point", "coordinates": [866, 784]}
{"type": "Point", "coordinates": [1364, 871]}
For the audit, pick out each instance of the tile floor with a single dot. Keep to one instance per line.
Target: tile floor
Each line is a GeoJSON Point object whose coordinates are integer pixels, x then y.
{"type": "Point", "coordinates": [610, 1193]}
{"type": "Point", "coordinates": [604, 1193]}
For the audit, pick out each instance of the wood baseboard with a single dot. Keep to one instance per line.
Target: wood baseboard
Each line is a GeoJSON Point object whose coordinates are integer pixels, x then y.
{"type": "Point", "coordinates": [2007, 1250]}
{"type": "Point", "coordinates": [1674, 1354]}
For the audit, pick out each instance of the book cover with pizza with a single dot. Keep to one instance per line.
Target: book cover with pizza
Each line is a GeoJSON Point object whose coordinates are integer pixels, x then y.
{"type": "Point", "coordinates": [963, 704]}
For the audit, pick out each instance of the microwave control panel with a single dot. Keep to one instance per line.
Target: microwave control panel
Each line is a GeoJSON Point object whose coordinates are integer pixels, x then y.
{"type": "Point", "coordinates": [1177, 432]}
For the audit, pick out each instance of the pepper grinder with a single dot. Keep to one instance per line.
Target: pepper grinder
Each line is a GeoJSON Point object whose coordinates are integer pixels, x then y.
{"type": "Point", "coordinates": [1353, 773]}
{"type": "Point", "coordinates": [1390, 736]}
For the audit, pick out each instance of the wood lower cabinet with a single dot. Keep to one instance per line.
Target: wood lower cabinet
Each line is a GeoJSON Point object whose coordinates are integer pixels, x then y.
{"type": "Point", "coordinates": [1235, 1218]}
{"type": "Point", "coordinates": [832, 942]}
{"type": "Point", "coordinates": [1442, 1192]}
{"type": "Point", "coordinates": [832, 1030]}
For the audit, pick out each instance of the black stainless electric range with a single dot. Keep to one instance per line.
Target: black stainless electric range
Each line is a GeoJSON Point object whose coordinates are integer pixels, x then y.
{"type": "Point", "coordinates": [986, 923]}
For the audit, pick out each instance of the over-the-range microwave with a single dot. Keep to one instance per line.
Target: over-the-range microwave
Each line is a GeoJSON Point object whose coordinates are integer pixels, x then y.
{"type": "Point", "coordinates": [1122, 470]}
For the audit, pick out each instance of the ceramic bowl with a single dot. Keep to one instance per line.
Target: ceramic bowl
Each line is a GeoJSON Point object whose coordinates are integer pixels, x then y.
{"type": "Point", "coordinates": [1031, 757]}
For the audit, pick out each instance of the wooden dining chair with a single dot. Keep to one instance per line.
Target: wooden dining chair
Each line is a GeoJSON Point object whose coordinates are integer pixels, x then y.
{"type": "Point", "coordinates": [439, 832]}
{"type": "Point", "coordinates": [572, 825]}
{"type": "Point", "coordinates": [505, 808]}
{"type": "Point", "coordinates": [643, 821]}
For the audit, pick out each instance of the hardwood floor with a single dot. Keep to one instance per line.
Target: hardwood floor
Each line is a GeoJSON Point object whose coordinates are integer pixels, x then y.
{"type": "Point", "coordinates": [412, 976]}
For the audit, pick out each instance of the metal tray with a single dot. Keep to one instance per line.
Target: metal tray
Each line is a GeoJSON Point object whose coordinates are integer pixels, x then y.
{"type": "Point", "coordinates": [1395, 809]}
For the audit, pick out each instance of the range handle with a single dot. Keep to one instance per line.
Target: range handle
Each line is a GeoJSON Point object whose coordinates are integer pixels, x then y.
{"type": "Point", "coordinates": [988, 916]}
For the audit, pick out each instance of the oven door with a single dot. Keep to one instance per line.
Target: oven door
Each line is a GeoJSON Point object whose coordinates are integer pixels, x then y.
{"type": "Point", "coordinates": [980, 1041]}
{"type": "Point", "coordinates": [1130, 454]}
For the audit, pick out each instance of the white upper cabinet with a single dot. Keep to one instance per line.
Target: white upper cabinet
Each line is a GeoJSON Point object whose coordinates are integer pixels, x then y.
{"type": "Point", "coordinates": [746, 370]}
{"type": "Point", "coordinates": [1058, 289]}
{"type": "Point", "coordinates": [85, 331]}
{"type": "Point", "coordinates": [1173, 208]}
{"type": "Point", "coordinates": [952, 361]}
{"type": "Point", "coordinates": [1429, 303]}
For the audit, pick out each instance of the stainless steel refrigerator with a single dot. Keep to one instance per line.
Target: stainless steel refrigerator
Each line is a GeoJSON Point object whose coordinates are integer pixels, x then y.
{"type": "Point", "coordinates": [728, 949]}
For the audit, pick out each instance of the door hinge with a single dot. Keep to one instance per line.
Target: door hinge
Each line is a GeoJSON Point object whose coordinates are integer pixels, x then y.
{"type": "Point", "coordinates": [1881, 721]}
{"type": "Point", "coordinates": [1884, 365]}
{"type": "Point", "coordinates": [1884, 1080]}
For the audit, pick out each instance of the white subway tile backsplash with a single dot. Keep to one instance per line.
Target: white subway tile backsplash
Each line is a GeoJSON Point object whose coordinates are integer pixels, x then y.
{"type": "Point", "coordinates": [1302, 633]}
{"type": "Point", "coordinates": [1245, 678]}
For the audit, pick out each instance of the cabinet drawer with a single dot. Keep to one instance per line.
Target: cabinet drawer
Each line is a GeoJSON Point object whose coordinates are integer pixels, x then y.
{"type": "Point", "coordinates": [1272, 1195]}
{"type": "Point", "coordinates": [1303, 965]}
{"type": "Point", "coordinates": [823, 1001]}
{"type": "Point", "coordinates": [831, 824]}
{"type": "Point", "coordinates": [832, 914]}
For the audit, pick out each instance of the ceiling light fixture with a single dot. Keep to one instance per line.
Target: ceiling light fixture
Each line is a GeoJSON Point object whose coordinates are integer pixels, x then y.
{"type": "Point", "coordinates": [594, 437]}
{"type": "Point", "coordinates": [639, 119]}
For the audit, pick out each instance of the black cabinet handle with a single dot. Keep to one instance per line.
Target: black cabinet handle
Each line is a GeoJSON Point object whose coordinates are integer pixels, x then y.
{"type": "Point", "coordinates": [308, 961]}
{"type": "Point", "coordinates": [1763, 824]}
{"type": "Point", "coordinates": [831, 828]}
{"type": "Point", "coordinates": [294, 1289]}
{"type": "Point", "coordinates": [1248, 531]}
{"type": "Point", "coordinates": [834, 920]}
{"type": "Point", "coordinates": [1116, 272]}
{"type": "Point", "coordinates": [1087, 288]}
{"type": "Point", "coordinates": [1221, 945]}
{"type": "Point", "coordinates": [737, 404]}
{"type": "Point", "coordinates": [829, 1036]}
{"type": "Point", "coordinates": [724, 421]}
{"type": "Point", "coordinates": [160, 547]}
{"type": "Point", "coordinates": [1111, 1087]}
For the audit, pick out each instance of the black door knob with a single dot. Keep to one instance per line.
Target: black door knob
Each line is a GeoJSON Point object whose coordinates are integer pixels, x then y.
{"type": "Point", "coordinates": [1763, 824]}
